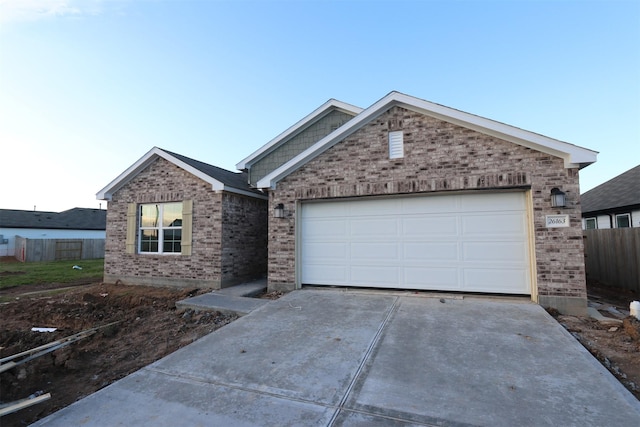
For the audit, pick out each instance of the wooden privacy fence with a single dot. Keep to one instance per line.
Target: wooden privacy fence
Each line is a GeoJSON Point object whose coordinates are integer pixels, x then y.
{"type": "Point", "coordinates": [29, 250]}
{"type": "Point", "coordinates": [612, 257]}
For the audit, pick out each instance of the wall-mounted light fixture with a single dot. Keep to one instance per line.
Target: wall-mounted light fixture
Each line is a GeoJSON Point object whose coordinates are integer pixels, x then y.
{"type": "Point", "coordinates": [558, 199]}
{"type": "Point", "coordinates": [278, 211]}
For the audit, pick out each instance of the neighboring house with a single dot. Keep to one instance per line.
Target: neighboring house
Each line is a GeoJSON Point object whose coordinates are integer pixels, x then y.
{"type": "Point", "coordinates": [77, 223]}
{"type": "Point", "coordinates": [404, 194]}
{"type": "Point", "coordinates": [176, 221]}
{"type": "Point", "coordinates": [614, 204]}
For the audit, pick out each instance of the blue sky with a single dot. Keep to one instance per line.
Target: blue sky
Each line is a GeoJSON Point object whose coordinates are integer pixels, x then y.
{"type": "Point", "coordinates": [87, 87]}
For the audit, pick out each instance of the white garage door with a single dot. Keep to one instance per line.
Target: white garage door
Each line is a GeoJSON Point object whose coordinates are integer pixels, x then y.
{"type": "Point", "coordinates": [470, 242]}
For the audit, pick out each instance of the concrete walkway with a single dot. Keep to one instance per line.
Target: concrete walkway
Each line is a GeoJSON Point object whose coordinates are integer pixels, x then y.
{"type": "Point", "coordinates": [232, 300]}
{"type": "Point", "coordinates": [336, 358]}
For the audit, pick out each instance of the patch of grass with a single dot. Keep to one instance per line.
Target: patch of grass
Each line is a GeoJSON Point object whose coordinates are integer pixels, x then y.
{"type": "Point", "coordinates": [33, 273]}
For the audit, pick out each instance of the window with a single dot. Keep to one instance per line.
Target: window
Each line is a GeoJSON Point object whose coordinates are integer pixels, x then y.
{"type": "Point", "coordinates": [591, 223]}
{"type": "Point", "coordinates": [396, 145]}
{"type": "Point", "coordinates": [160, 228]}
{"type": "Point", "coordinates": [623, 221]}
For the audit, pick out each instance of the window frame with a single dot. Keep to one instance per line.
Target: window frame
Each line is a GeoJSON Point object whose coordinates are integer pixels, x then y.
{"type": "Point", "coordinates": [595, 223]}
{"type": "Point", "coordinates": [628, 216]}
{"type": "Point", "coordinates": [160, 228]}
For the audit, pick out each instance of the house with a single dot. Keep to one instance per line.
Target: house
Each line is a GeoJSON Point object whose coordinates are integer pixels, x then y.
{"type": "Point", "coordinates": [404, 194]}
{"type": "Point", "coordinates": [176, 221]}
{"type": "Point", "coordinates": [613, 204]}
{"type": "Point", "coordinates": [76, 223]}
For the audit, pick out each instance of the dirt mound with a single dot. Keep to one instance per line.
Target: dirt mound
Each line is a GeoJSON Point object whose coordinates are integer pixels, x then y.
{"type": "Point", "coordinates": [631, 326]}
{"type": "Point", "coordinates": [149, 328]}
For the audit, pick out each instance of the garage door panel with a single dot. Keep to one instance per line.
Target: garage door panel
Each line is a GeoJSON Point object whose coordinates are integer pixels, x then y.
{"type": "Point", "coordinates": [324, 229]}
{"type": "Point", "coordinates": [374, 208]}
{"type": "Point", "coordinates": [363, 227]}
{"type": "Point", "coordinates": [495, 280]}
{"type": "Point", "coordinates": [499, 224]}
{"type": "Point", "coordinates": [325, 274]}
{"type": "Point", "coordinates": [430, 225]}
{"type": "Point", "coordinates": [470, 242]}
{"type": "Point", "coordinates": [369, 275]}
{"type": "Point", "coordinates": [430, 251]}
{"type": "Point", "coordinates": [429, 205]}
{"type": "Point", "coordinates": [325, 250]}
{"type": "Point", "coordinates": [374, 251]}
{"type": "Point", "coordinates": [325, 210]}
{"type": "Point", "coordinates": [431, 278]}
{"type": "Point", "coordinates": [493, 225]}
{"type": "Point", "coordinates": [500, 202]}
{"type": "Point", "coordinates": [500, 253]}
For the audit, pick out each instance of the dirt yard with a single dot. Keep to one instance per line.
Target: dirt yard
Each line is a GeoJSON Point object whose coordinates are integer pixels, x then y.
{"type": "Point", "coordinates": [615, 342]}
{"type": "Point", "coordinates": [149, 329]}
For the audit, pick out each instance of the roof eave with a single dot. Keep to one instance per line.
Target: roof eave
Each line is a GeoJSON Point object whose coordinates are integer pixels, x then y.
{"type": "Point", "coordinates": [244, 192]}
{"type": "Point", "coordinates": [573, 155]}
{"type": "Point", "coordinates": [107, 192]}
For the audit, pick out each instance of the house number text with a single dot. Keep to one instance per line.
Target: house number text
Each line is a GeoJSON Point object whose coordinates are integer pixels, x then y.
{"type": "Point", "coordinates": [556, 221]}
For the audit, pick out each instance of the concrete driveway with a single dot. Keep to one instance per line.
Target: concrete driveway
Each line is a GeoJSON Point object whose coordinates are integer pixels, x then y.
{"type": "Point", "coordinates": [354, 358]}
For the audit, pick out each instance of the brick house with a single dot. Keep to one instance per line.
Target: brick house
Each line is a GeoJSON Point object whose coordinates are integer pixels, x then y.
{"type": "Point", "coordinates": [414, 195]}
{"type": "Point", "coordinates": [404, 194]}
{"type": "Point", "coordinates": [176, 221]}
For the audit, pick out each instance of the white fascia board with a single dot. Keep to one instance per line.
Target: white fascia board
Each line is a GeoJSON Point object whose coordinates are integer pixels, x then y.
{"type": "Point", "coordinates": [126, 176]}
{"type": "Point", "coordinates": [301, 124]}
{"type": "Point", "coordinates": [573, 155]}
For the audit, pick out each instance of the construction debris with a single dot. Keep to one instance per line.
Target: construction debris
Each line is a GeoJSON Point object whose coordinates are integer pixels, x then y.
{"type": "Point", "coordinates": [8, 362]}
{"type": "Point", "coordinates": [11, 407]}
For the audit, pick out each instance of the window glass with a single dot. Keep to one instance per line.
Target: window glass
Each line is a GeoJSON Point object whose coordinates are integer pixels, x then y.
{"type": "Point", "coordinates": [149, 241]}
{"type": "Point", "coordinates": [149, 215]}
{"type": "Point", "coordinates": [157, 236]}
{"type": "Point", "coordinates": [172, 215]}
{"type": "Point", "coordinates": [171, 240]}
{"type": "Point", "coordinates": [591, 223]}
{"type": "Point", "coordinates": [623, 221]}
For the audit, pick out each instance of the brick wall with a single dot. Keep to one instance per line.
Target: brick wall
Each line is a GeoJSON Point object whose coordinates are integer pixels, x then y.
{"type": "Point", "coordinates": [163, 182]}
{"type": "Point", "coordinates": [244, 238]}
{"type": "Point", "coordinates": [439, 157]}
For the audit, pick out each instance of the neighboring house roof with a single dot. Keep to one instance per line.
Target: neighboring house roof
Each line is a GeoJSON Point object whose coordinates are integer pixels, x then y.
{"type": "Point", "coordinates": [72, 219]}
{"type": "Point", "coordinates": [314, 116]}
{"type": "Point", "coordinates": [619, 192]}
{"type": "Point", "coordinates": [573, 155]}
{"type": "Point", "coordinates": [219, 179]}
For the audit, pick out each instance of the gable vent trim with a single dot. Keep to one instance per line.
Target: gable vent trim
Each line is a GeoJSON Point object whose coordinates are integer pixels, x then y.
{"type": "Point", "coordinates": [396, 145]}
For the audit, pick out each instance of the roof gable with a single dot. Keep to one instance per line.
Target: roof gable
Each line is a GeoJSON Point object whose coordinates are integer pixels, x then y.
{"type": "Point", "coordinates": [314, 116]}
{"type": "Point", "coordinates": [618, 192]}
{"type": "Point", "coordinates": [219, 179]}
{"type": "Point", "coordinates": [72, 219]}
{"type": "Point", "coordinates": [573, 155]}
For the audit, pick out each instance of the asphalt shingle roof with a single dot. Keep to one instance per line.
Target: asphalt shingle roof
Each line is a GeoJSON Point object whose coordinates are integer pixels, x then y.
{"type": "Point", "coordinates": [621, 191]}
{"type": "Point", "coordinates": [237, 180]}
{"type": "Point", "coordinates": [72, 219]}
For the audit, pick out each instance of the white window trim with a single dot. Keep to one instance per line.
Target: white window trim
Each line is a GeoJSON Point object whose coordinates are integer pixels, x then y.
{"type": "Point", "coordinates": [623, 215]}
{"type": "Point", "coordinates": [160, 229]}
{"type": "Point", "coordinates": [586, 222]}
